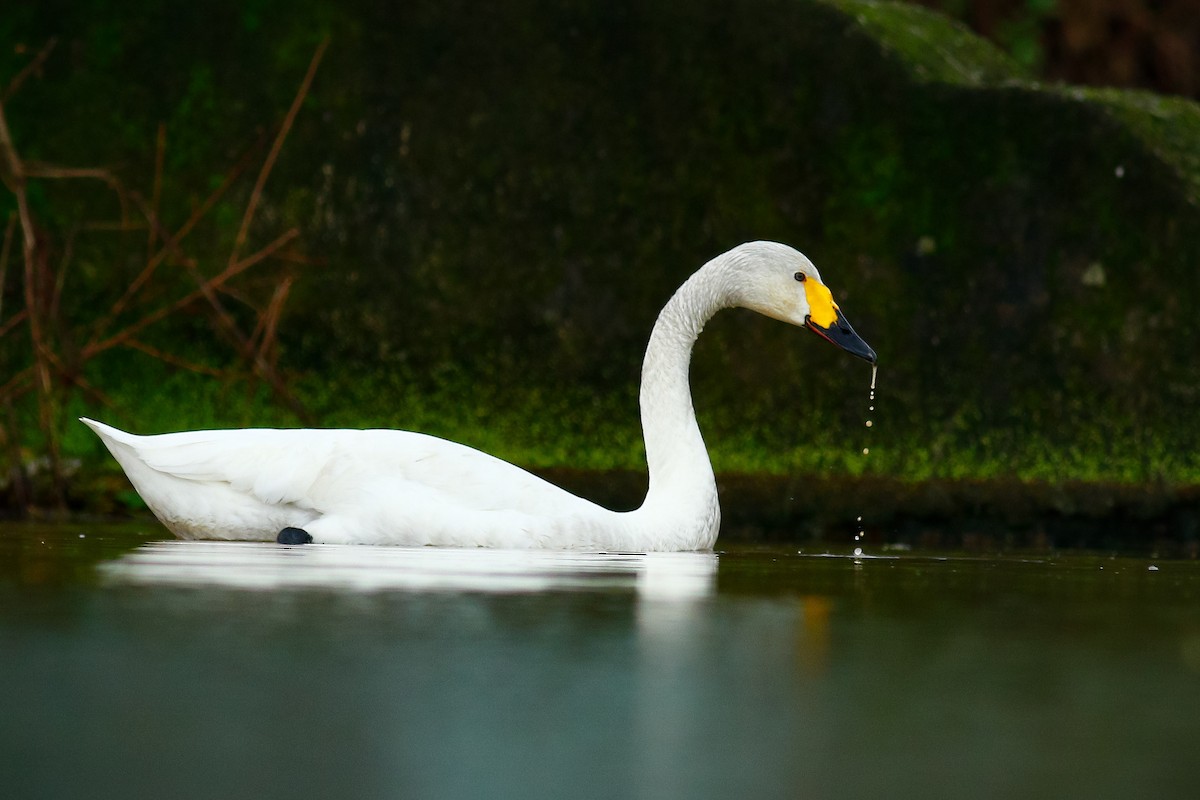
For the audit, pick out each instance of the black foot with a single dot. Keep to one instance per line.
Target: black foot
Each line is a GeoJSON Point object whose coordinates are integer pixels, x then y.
{"type": "Point", "coordinates": [294, 536]}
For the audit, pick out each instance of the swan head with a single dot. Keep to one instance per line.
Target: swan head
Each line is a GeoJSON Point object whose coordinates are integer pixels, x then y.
{"type": "Point", "coordinates": [780, 282]}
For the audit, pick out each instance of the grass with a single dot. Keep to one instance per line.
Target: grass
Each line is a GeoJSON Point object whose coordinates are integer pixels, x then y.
{"type": "Point", "coordinates": [579, 428]}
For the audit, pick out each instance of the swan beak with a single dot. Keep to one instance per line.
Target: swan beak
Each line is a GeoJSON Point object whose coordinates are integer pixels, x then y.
{"type": "Point", "coordinates": [841, 334]}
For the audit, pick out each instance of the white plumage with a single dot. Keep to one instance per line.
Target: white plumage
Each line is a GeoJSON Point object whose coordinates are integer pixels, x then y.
{"type": "Point", "coordinates": [404, 488]}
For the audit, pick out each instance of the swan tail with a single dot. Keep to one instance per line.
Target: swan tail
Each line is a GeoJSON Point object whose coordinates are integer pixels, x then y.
{"type": "Point", "coordinates": [180, 477]}
{"type": "Point", "coordinates": [274, 466]}
{"type": "Point", "coordinates": [108, 433]}
{"type": "Point", "coordinates": [122, 445]}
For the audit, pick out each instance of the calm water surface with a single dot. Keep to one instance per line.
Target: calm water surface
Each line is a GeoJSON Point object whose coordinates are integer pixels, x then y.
{"type": "Point", "coordinates": [136, 667]}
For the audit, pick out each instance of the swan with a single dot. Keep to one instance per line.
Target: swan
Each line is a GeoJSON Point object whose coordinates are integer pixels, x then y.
{"type": "Point", "coordinates": [403, 488]}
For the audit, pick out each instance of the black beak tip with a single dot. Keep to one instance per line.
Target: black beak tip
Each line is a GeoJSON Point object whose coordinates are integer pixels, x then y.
{"type": "Point", "coordinates": [866, 353]}
{"type": "Point", "coordinates": [853, 344]}
{"type": "Point", "coordinates": [841, 334]}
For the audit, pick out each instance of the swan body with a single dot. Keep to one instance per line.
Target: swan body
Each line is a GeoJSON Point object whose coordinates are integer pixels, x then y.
{"type": "Point", "coordinates": [405, 488]}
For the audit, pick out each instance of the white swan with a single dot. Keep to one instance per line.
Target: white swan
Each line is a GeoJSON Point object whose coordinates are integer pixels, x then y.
{"type": "Point", "coordinates": [398, 487]}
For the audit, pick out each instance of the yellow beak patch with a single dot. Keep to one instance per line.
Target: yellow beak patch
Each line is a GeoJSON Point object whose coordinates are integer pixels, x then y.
{"type": "Point", "coordinates": [821, 308]}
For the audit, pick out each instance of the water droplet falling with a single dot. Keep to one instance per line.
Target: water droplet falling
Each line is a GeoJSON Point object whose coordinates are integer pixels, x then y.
{"type": "Point", "coordinates": [861, 535]}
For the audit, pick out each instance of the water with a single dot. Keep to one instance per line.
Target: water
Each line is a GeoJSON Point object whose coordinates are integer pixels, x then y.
{"type": "Point", "coordinates": [135, 668]}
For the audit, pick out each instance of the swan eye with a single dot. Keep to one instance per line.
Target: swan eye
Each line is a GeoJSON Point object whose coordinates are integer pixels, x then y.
{"type": "Point", "coordinates": [800, 276]}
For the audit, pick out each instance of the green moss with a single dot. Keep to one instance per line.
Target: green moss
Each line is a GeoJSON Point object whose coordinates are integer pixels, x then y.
{"type": "Point", "coordinates": [930, 46]}
{"type": "Point", "coordinates": [568, 426]}
{"type": "Point", "coordinates": [1167, 127]}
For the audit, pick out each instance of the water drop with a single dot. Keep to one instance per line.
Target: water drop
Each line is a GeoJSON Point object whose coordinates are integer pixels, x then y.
{"type": "Point", "coordinates": [1153, 568]}
{"type": "Point", "coordinates": [874, 372]}
{"type": "Point", "coordinates": [858, 551]}
{"type": "Point", "coordinates": [866, 450]}
{"type": "Point", "coordinates": [869, 423]}
{"type": "Point", "coordinates": [860, 519]}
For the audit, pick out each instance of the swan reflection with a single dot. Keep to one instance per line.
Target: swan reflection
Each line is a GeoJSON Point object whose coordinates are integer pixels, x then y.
{"type": "Point", "coordinates": [252, 565]}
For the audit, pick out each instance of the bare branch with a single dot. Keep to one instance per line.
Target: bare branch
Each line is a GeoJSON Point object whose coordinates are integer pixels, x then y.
{"type": "Point", "coordinates": [171, 242]}
{"type": "Point", "coordinates": [33, 66]}
{"type": "Point", "coordinates": [225, 320]}
{"type": "Point", "coordinates": [266, 252]}
{"type": "Point", "coordinates": [268, 321]}
{"type": "Point", "coordinates": [15, 386]}
{"type": "Point", "coordinates": [123, 335]}
{"type": "Point", "coordinates": [160, 148]}
{"type": "Point", "coordinates": [13, 321]}
{"type": "Point", "coordinates": [16, 183]}
{"type": "Point", "coordinates": [29, 250]}
{"type": "Point", "coordinates": [88, 388]}
{"type": "Point", "coordinates": [119, 226]}
{"type": "Point", "coordinates": [60, 276]}
{"type": "Point", "coordinates": [56, 365]}
{"type": "Point", "coordinates": [284, 128]}
{"type": "Point", "coordinates": [37, 169]}
{"type": "Point", "coordinates": [170, 358]}
{"type": "Point", "coordinates": [5, 250]}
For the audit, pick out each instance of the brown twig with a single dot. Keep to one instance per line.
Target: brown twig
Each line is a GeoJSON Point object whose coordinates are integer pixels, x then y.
{"type": "Point", "coordinates": [124, 334]}
{"type": "Point", "coordinates": [39, 169]}
{"type": "Point", "coordinates": [13, 387]}
{"type": "Point", "coordinates": [86, 387]}
{"type": "Point", "coordinates": [224, 319]}
{"type": "Point", "coordinates": [19, 481]}
{"type": "Point", "coordinates": [5, 251]}
{"type": "Point", "coordinates": [265, 369]}
{"type": "Point", "coordinates": [172, 359]}
{"type": "Point", "coordinates": [276, 146]}
{"type": "Point", "coordinates": [268, 321]}
{"type": "Point", "coordinates": [57, 367]}
{"type": "Point", "coordinates": [16, 184]}
{"type": "Point", "coordinates": [99, 328]}
{"type": "Point", "coordinates": [35, 169]}
{"type": "Point", "coordinates": [60, 276]}
{"type": "Point", "coordinates": [34, 265]}
{"type": "Point", "coordinates": [13, 321]}
{"type": "Point", "coordinates": [160, 148]}
{"type": "Point", "coordinates": [111, 227]}
{"type": "Point", "coordinates": [33, 66]}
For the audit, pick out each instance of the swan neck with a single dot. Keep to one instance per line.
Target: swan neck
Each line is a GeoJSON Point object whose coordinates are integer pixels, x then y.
{"type": "Point", "coordinates": [681, 476]}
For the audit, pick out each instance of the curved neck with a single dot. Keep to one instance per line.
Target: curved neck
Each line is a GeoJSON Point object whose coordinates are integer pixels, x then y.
{"type": "Point", "coordinates": [682, 491]}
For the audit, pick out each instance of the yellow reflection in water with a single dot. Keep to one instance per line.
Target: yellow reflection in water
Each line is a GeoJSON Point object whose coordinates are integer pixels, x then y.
{"type": "Point", "coordinates": [812, 635]}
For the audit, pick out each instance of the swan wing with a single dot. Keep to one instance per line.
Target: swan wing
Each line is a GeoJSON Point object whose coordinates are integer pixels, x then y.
{"type": "Point", "coordinates": [325, 469]}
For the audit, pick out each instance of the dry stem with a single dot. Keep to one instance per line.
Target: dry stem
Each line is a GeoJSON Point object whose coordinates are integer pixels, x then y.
{"type": "Point", "coordinates": [50, 374]}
